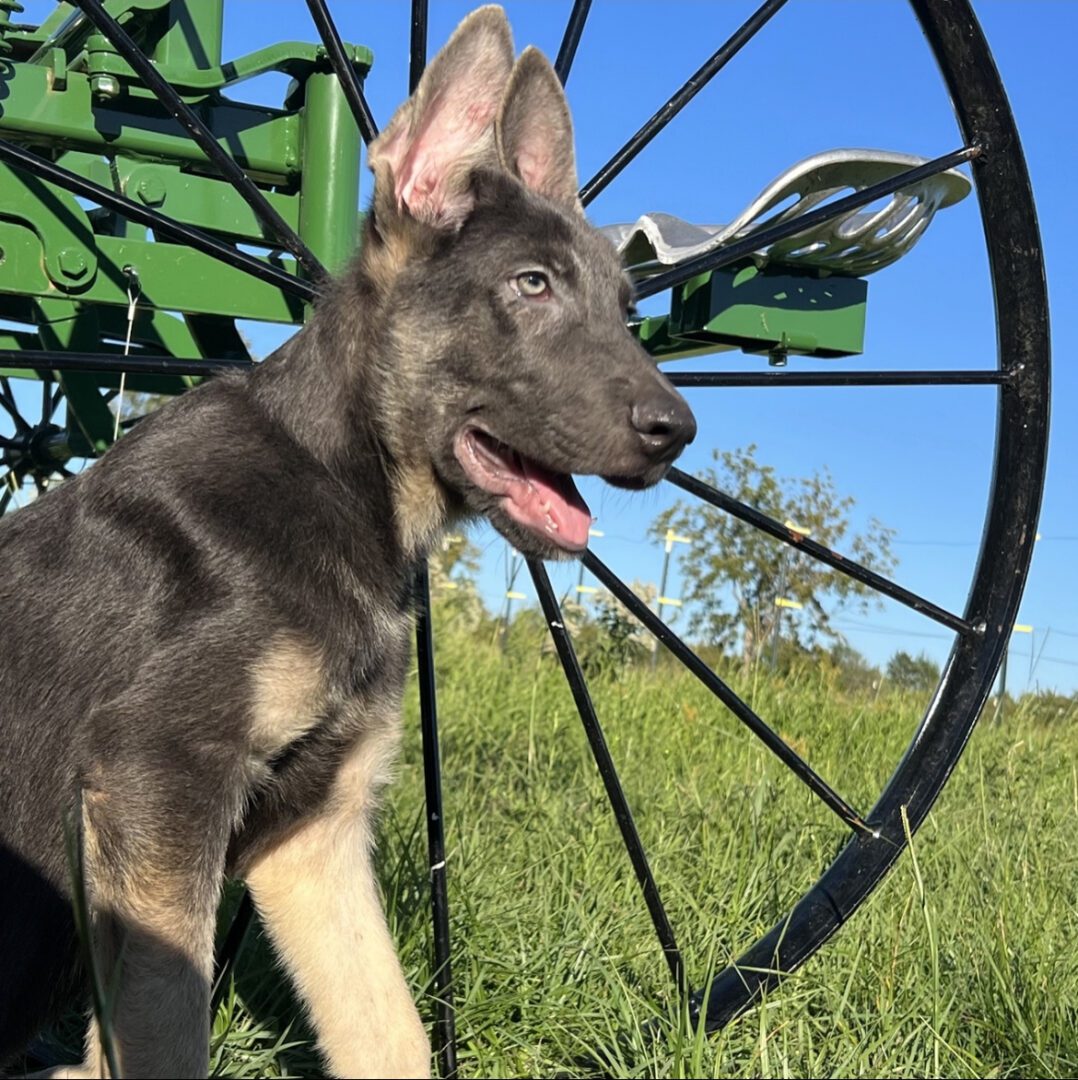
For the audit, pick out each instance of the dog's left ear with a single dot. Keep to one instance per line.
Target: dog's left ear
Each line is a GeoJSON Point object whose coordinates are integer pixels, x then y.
{"type": "Point", "coordinates": [423, 160]}
{"type": "Point", "coordinates": [534, 131]}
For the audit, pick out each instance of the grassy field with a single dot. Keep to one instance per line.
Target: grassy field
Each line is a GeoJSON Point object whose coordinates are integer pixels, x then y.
{"type": "Point", "coordinates": [962, 964]}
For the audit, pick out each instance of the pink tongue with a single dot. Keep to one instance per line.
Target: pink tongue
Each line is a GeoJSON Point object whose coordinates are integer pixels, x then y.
{"type": "Point", "coordinates": [550, 503]}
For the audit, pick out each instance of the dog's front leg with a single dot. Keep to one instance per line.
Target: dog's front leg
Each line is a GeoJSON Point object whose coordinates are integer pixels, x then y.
{"type": "Point", "coordinates": [153, 880]}
{"type": "Point", "coordinates": [317, 895]}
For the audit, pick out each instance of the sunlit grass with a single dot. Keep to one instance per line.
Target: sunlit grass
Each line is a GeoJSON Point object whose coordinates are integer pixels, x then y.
{"type": "Point", "coordinates": [962, 963]}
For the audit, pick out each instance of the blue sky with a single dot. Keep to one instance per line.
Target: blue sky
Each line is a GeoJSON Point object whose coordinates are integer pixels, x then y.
{"type": "Point", "coordinates": [823, 74]}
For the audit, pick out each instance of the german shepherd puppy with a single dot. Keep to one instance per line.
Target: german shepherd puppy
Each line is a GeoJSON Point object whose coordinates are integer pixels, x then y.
{"type": "Point", "coordinates": [204, 638]}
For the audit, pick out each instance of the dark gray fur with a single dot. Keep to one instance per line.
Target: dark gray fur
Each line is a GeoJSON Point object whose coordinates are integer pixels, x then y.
{"type": "Point", "coordinates": [136, 598]}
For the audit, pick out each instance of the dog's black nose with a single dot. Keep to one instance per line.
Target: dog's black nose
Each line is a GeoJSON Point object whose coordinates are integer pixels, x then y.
{"type": "Point", "coordinates": [665, 424]}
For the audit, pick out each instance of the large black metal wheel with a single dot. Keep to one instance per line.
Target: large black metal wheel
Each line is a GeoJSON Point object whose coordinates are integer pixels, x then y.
{"type": "Point", "coordinates": [982, 630]}
{"type": "Point", "coordinates": [877, 836]}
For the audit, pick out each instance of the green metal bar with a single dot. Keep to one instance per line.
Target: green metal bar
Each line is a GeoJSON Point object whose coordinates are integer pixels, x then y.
{"type": "Point", "coordinates": [264, 142]}
{"type": "Point", "coordinates": [193, 37]}
{"type": "Point", "coordinates": [69, 326]}
{"type": "Point", "coordinates": [171, 277]}
{"type": "Point", "coordinates": [329, 204]}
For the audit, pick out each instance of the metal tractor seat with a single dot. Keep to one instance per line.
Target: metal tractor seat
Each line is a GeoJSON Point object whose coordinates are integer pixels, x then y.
{"type": "Point", "coordinates": [858, 244]}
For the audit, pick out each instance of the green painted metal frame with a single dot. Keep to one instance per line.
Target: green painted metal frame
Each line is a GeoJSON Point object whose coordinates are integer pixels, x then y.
{"type": "Point", "coordinates": [67, 89]}
{"type": "Point", "coordinates": [66, 272]}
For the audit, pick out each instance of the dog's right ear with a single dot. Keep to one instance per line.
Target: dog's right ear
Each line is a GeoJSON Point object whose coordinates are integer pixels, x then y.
{"type": "Point", "coordinates": [445, 129]}
{"type": "Point", "coordinates": [534, 131]}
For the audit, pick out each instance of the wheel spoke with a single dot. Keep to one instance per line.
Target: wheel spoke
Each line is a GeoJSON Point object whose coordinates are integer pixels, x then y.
{"type": "Point", "coordinates": [153, 365]}
{"type": "Point", "coordinates": [187, 118]}
{"type": "Point", "coordinates": [7, 400]}
{"type": "Point", "coordinates": [838, 378]}
{"type": "Point", "coordinates": [774, 742]}
{"type": "Point", "coordinates": [818, 551]}
{"type": "Point", "coordinates": [761, 238]}
{"type": "Point", "coordinates": [696, 82]}
{"type": "Point", "coordinates": [46, 397]}
{"type": "Point", "coordinates": [5, 497]}
{"type": "Point", "coordinates": [143, 215]}
{"type": "Point", "coordinates": [445, 1035]}
{"type": "Point", "coordinates": [601, 752]}
{"type": "Point", "coordinates": [571, 39]}
{"type": "Point", "coordinates": [417, 59]}
{"type": "Point", "coordinates": [344, 71]}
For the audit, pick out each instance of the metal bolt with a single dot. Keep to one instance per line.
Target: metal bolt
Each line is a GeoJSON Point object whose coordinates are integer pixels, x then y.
{"type": "Point", "coordinates": [104, 87]}
{"type": "Point", "coordinates": [72, 263]}
{"type": "Point", "coordinates": [151, 191]}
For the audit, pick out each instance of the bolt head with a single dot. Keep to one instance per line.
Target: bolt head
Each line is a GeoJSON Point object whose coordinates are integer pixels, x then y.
{"type": "Point", "coordinates": [104, 87]}
{"type": "Point", "coordinates": [150, 191]}
{"type": "Point", "coordinates": [73, 263]}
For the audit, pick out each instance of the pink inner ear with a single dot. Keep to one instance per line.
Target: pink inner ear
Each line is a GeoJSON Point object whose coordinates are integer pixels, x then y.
{"type": "Point", "coordinates": [444, 142]}
{"type": "Point", "coordinates": [533, 167]}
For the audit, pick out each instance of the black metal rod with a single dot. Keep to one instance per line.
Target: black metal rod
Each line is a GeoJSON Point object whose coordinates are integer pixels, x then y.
{"type": "Point", "coordinates": [774, 742]}
{"type": "Point", "coordinates": [696, 82]}
{"type": "Point", "coordinates": [838, 378]}
{"type": "Point", "coordinates": [445, 1036]}
{"type": "Point", "coordinates": [764, 237]}
{"type": "Point", "coordinates": [818, 551]}
{"type": "Point", "coordinates": [607, 770]}
{"type": "Point", "coordinates": [7, 400]}
{"type": "Point", "coordinates": [278, 228]}
{"type": "Point", "coordinates": [344, 71]}
{"type": "Point", "coordinates": [133, 211]}
{"type": "Point", "coordinates": [418, 44]}
{"type": "Point", "coordinates": [230, 950]}
{"type": "Point", "coordinates": [571, 39]}
{"type": "Point", "coordinates": [150, 365]}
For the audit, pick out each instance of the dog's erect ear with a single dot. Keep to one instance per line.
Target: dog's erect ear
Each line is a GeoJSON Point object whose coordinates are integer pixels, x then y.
{"type": "Point", "coordinates": [534, 131]}
{"type": "Point", "coordinates": [446, 128]}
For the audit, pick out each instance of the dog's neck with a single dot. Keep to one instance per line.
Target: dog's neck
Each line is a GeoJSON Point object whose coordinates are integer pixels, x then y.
{"type": "Point", "coordinates": [347, 396]}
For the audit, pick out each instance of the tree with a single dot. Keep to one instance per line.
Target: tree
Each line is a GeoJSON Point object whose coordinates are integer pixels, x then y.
{"type": "Point", "coordinates": [614, 638]}
{"type": "Point", "coordinates": [913, 672]}
{"type": "Point", "coordinates": [734, 573]}
{"type": "Point", "coordinates": [453, 568]}
{"type": "Point", "coordinates": [852, 670]}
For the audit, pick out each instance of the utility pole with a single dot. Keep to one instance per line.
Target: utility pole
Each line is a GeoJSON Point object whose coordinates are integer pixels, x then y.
{"type": "Point", "coordinates": [581, 588]}
{"type": "Point", "coordinates": [662, 600]}
{"type": "Point", "coordinates": [512, 568]}
{"type": "Point", "coordinates": [783, 602]}
{"type": "Point", "coordinates": [1019, 628]}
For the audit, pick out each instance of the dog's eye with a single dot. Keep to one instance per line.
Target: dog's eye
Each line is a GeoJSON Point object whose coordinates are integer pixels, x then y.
{"type": "Point", "coordinates": [532, 283]}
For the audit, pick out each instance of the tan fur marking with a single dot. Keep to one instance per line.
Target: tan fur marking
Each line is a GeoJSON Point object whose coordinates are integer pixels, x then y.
{"type": "Point", "coordinates": [419, 507]}
{"type": "Point", "coordinates": [287, 694]}
{"type": "Point", "coordinates": [386, 259]}
{"type": "Point", "coordinates": [317, 894]}
{"type": "Point", "coordinates": [147, 924]}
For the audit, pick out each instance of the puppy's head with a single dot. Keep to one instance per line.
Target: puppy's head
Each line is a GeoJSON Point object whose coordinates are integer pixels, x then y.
{"type": "Point", "coordinates": [507, 308]}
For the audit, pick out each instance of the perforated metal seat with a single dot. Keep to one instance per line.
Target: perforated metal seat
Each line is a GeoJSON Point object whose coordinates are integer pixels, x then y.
{"type": "Point", "coordinates": [860, 243]}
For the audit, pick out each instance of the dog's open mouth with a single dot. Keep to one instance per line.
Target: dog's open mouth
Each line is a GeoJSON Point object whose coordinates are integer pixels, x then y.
{"type": "Point", "coordinates": [543, 501]}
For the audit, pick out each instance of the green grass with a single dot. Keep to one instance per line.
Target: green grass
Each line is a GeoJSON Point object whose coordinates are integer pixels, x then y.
{"type": "Point", "coordinates": [961, 964]}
